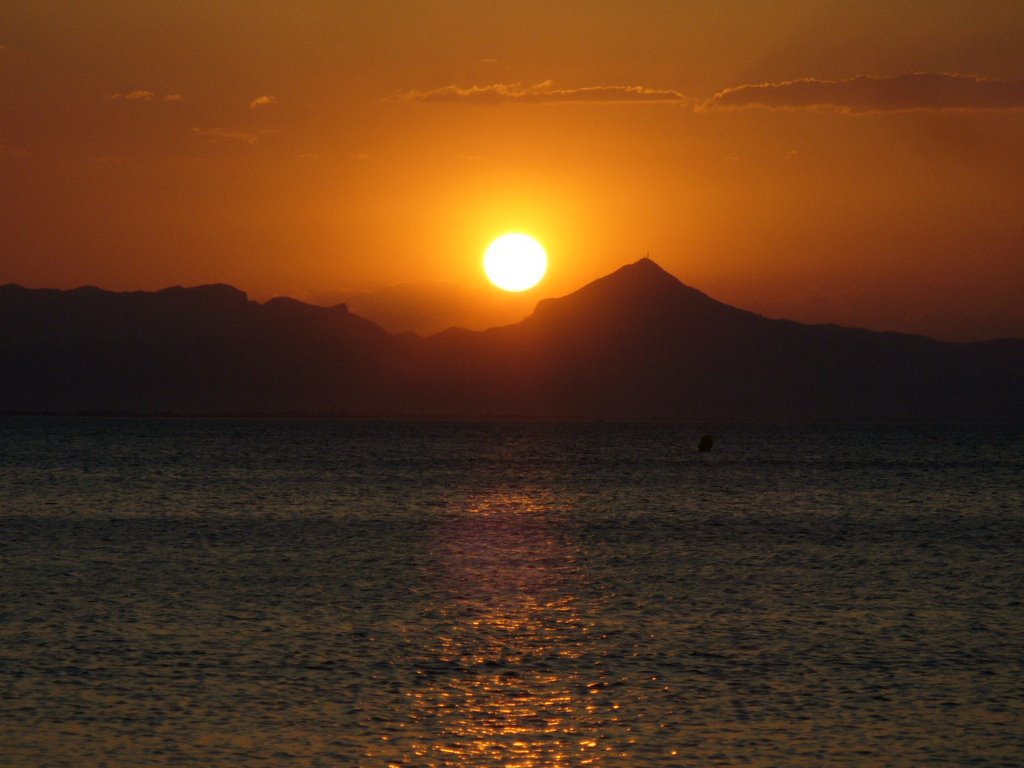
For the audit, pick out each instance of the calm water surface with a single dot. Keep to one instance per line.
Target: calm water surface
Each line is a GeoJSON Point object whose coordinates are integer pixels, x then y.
{"type": "Point", "coordinates": [316, 593]}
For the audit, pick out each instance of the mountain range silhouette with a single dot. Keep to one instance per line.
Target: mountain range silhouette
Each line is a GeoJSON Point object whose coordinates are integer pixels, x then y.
{"type": "Point", "coordinates": [636, 344]}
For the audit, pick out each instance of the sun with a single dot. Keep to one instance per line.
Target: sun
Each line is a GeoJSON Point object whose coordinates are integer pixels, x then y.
{"type": "Point", "coordinates": [515, 262]}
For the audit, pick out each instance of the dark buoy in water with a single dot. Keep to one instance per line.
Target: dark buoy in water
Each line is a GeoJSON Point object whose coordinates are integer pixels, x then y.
{"type": "Point", "coordinates": [705, 443]}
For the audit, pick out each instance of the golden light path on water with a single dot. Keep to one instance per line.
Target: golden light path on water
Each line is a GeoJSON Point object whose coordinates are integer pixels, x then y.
{"type": "Point", "coordinates": [513, 679]}
{"type": "Point", "coordinates": [513, 596]}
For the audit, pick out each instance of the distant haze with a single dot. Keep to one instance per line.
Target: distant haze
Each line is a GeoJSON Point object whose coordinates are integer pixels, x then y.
{"type": "Point", "coordinates": [427, 308]}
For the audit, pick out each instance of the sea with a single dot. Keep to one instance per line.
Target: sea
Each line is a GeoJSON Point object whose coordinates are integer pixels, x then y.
{"type": "Point", "coordinates": [274, 592]}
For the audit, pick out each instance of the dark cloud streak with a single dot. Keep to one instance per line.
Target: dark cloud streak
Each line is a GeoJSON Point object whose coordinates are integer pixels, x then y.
{"type": "Point", "coordinates": [544, 93]}
{"type": "Point", "coordinates": [919, 91]}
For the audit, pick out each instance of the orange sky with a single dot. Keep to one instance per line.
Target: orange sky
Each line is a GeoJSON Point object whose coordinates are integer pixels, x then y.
{"type": "Point", "coordinates": [823, 161]}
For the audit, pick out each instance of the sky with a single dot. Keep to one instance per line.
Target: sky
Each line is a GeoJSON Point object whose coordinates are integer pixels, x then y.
{"type": "Point", "coordinates": [856, 163]}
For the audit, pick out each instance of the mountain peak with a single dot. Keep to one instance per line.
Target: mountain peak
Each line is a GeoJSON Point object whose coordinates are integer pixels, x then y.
{"type": "Point", "coordinates": [642, 286]}
{"type": "Point", "coordinates": [644, 263]}
{"type": "Point", "coordinates": [646, 270]}
{"type": "Point", "coordinates": [640, 280]}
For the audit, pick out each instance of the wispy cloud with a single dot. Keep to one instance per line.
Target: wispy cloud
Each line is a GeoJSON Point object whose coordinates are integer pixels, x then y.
{"type": "Point", "coordinates": [142, 95]}
{"type": "Point", "coordinates": [543, 93]}
{"type": "Point", "coordinates": [930, 91]}
{"type": "Point", "coordinates": [262, 101]}
{"type": "Point", "coordinates": [229, 134]}
{"type": "Point", "coordinates": [917, 91]}
{"type": "Point", "coordinates": [137, 95]}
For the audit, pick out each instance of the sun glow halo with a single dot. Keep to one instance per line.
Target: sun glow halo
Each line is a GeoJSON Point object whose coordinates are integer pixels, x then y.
{"type": "Point", "coordinates": [515, 262]}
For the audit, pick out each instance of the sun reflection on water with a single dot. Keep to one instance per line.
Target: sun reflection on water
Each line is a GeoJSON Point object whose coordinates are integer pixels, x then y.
{"type": "Point", "coordinates": [511, 680]}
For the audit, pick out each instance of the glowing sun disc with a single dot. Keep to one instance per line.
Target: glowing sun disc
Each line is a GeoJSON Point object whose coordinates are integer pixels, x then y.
{"type": "Point", "coordinates": [515, 262]}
